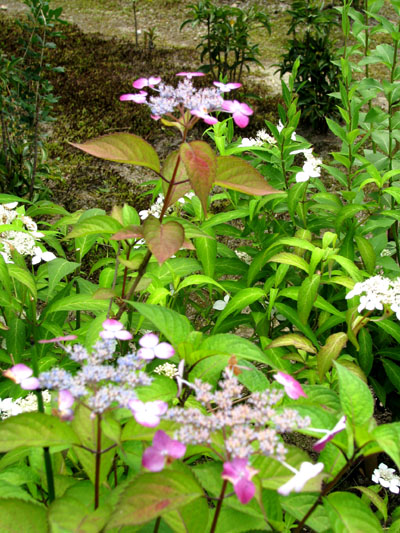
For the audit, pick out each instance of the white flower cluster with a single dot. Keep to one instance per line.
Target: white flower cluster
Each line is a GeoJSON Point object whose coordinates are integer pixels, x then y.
{"type": "Point", "coordinates": [167, 369]}
{"type": "Point", "coordinates": [311, 166]}
{"type": "Point", "coordinates": [261, 138]}
{"type": "Point", "coordinates": [10, 407]}
{"type": "Point", "coordinates": [376, 292]}
{"type": "Point", "coordinates": [23, 238]}
{"type": "Point", "coordinates": [156, 208]}
{"type": "Point", "coordinates": [387, 478]}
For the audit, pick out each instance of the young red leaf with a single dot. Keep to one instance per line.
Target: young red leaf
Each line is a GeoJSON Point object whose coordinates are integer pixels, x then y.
{"type": "Point", "coordinates": [234, 173]}
{"type": "Point", "coordinates": [131, 232]}
{"type": "Point", "coordinates": [201, 164]}
{"type": "Point", "coordinates": [181, 175]}
{"type": "Point", "coordinates": [122, 148]}
{"type": "Point", "coordinates": [163, 240]}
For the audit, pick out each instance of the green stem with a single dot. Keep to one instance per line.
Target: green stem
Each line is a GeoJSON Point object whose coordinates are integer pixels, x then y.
{"type": "Point", "coordinates": [219, 505]}
{"type": "Point", "coordinates": [157, 525]}
{"type": "Point", "coordinates": [98, 463]}
{"type": "Point", "coordinates": [47, 458]}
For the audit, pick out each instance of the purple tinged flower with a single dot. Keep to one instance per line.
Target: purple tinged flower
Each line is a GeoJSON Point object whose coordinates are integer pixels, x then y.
{"type": "Point", "coordinates": [296, 483]}
{"type": "Point", "coordinates": [164, 450]}
{"type": "Point", "coordinates": [190, 75]}
{"type": "Point", "coordinates": [148, 414]}
{"type": "Point", "coordinates": [139, 98]}
{"type": "Point", "coordinates": [22, 375]}
{"type": "Point", "coordinates": [58, 339]}
{"type": "Point", "coordinates": [113, 329]}
{"type": "Point", "coordinates": [239, 474]}
{"type": "Point", "coordinates": [65, 402]}
{"type": "Point", "coordinates": [151, 348]}
{"type": "Point", "coordinates": [226, 87]}
{"type": "Point", "coordinates": [292, 387]}
{"type": "Point", "coordinates": [321, 443]}
{"type": "Point", "coordinates": [146, 82]}
{"type": "Point", "coordinates": [202, 113]}
{"type": "Point", "coordinates": [240, 112]}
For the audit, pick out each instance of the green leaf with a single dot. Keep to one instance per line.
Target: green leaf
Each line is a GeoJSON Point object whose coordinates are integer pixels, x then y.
{"type": "Point", "coordinates": [287, 258]}
{"type": "Point", "coordinates": [365, 354]}
{"type": "Point", "coordinates": [388, 438]}
{"type": "Point", "coordinates": [355, 397]}
{"type": "Point", "coordinates": [85, 428]}
{"type": "Point", "coordinates": [17, 516]}
{"type": "Point", "coordinates": [293, 317]}
{"type": "Point", "coordinates": [198, 279]}
{"type": "Point", "coordinates": [348, 266]}
{"type": "Point", "coordinates": [37, 429]}
{"type": "Point", "coordinates": [393, 372]}
{"type": "Point", "coordinates": [235, 173]}
{"type": "Point", "coordinates": [348, 514]}
{"type": "Point", "coordinates": [23, 276]}
{"type": "Point", "coordinates": [367, 253]}
{"type": "Point", "coordinates": [15, 337]}
{"type": "Point", "coordinates": [242, 299]}
{"type": "Point", "coordinates": [178, 191]}
{"type": "Point", "coordinates": [374, 498]}
{"type": "Point", "coordinates": [201, 164]}
{"type": "Point", "coordinates": [299, 504]}
{"type": "Point", "coordinates": [97, 225]}
{"type": "Point", "coordinates": [206, 249]}
{"type": "Point", "coordinates": [330, 352]}
{"type": "Point", "coordinates": [390, 327]}
{"type": "Point", "coordinates": [79, 302]}
{"type": "Point", "coordinates": [175, 327]}
{"type": "Point", "coordinates": [154, 494]}
{"type": "Point", "coordinates": [122, 148]}
{"type": "Point", "coordinates": [59, 268]}
{"type": "Point", "coordinates": [293, 339]}
{"type": "Point", "coordinates": [192, 517]}
{"type": "Point", "coordinates": [163, 239]}
{"type": "Point", "coordinates": [67, 514]}
{"type": "Point", "coordinates": [307, 295]}
{"type": "Point", "coordinates": [295, 194]}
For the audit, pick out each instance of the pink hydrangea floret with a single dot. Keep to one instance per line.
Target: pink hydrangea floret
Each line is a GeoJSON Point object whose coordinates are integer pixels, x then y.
{"type": "Point", "coordinates": [65, 402]}
{"type": "Point", "coordinates": [190, 75]}
{"type": "Point", "coordinates": [239, 473]}
{"type": "Point", "coordinates": [151, 348]}
{"type": "Point", "coordinates": [138, 98]}
{"type": "Point", "coordinates": [113, 329]}
{"type": "Point", "coordinates": [148, 413]}
{"type": "Point", "coordinates": [202, 113]}
{"type": "Point", "coordinates": [321, 443]}
{"type": "Point", "coordinates": [226, 87]}
{"type": "Point", "coordinates": [146, 82]}
{"type": "Point", "coordinates": [22, 376]}
{"type": "Point", "coordinates": [240, 112]}
{"type": "Point", "coordinates": [296, 483]}
{"type": "Point", "coordinates": [163, 451]}
{"type": "Point", "coordinates": [292, 387]}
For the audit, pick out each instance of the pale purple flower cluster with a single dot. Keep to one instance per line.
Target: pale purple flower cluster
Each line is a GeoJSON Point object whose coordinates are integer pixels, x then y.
{"type": "Point", "coordinates": [199, 102]}
{"type": "Point", "coordinates": [243, 423]}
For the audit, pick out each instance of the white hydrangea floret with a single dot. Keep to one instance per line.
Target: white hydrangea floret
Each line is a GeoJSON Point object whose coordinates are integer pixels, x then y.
{"type": "Point", "coordinates": [387, 478]}
{"type": "Point", "coordinates": [376, 292]}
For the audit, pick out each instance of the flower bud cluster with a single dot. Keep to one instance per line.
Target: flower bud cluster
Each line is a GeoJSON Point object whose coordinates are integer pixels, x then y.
{"type": "Point", "coordinates": [249, 426]}
{"type": "Point", "coordinates": [22, 237]}
{"type": "Point", "coordinates": [101, 385]}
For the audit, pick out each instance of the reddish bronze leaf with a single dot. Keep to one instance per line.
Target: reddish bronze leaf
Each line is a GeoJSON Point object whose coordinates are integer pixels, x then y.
{"type": "Point", "coordinates": [131, 232]}
{"type": "Point", "coordinates": [163, 240]}
{"type": "Point", "coordinates": [235, 173]}
{"type": "Point", "coordinates": [122, 148]}
{"type": "Point", "coordinates": [201, 164]}
{"type": "Point", "coordinates": [181, 175]}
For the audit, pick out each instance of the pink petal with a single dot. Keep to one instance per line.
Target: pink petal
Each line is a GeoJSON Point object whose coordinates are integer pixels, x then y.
{"type": "Point", "coordinates": [148, 414]}
{"type": "Point", "coordinates": [292, 387]}
{"type": "Point", "coordinates": [30, 384]}
{"type": "Point", "coordinates": [190, 75]}
{"type": "Point", "coordinates": [140, 83]}
{"type": "Point", "coordinates": [226, 87]}
{"type": "Point", "coordinates": [164, 350]}
{"type": "Point", "coordinates": [112, 325]}
{"type": "Point", "coordinates": [153, 460]}
{"type": "Point", "coordinates": [163, 443]}
{"type": "Point", "coordinates": [18, 372]}
{"type": "Point", "coordinates": [321, 443]}
{"type": "Point", "coordinates": [240, 120]}
{"type": "Point", "coordinates": [65, 400]}
{"type": "Point", "coordinates": [137, 98]}
{"type": "Point", "coordinates": [123, 335]}
{"type": "Point", "coordinates": [149, 340]}
{"type": "Point", "coordinates": [146, 353]}
{"type": "Point", "coordinates": [245, 490]}
{"type": "Point", "coordinates": [107, 335]}
{"type": "Point", "coordinates": [58, 339]}
{"type": "Point", "coordinates": [154, 80]}
{"type": "Point", "coordinates": [176, 449]}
